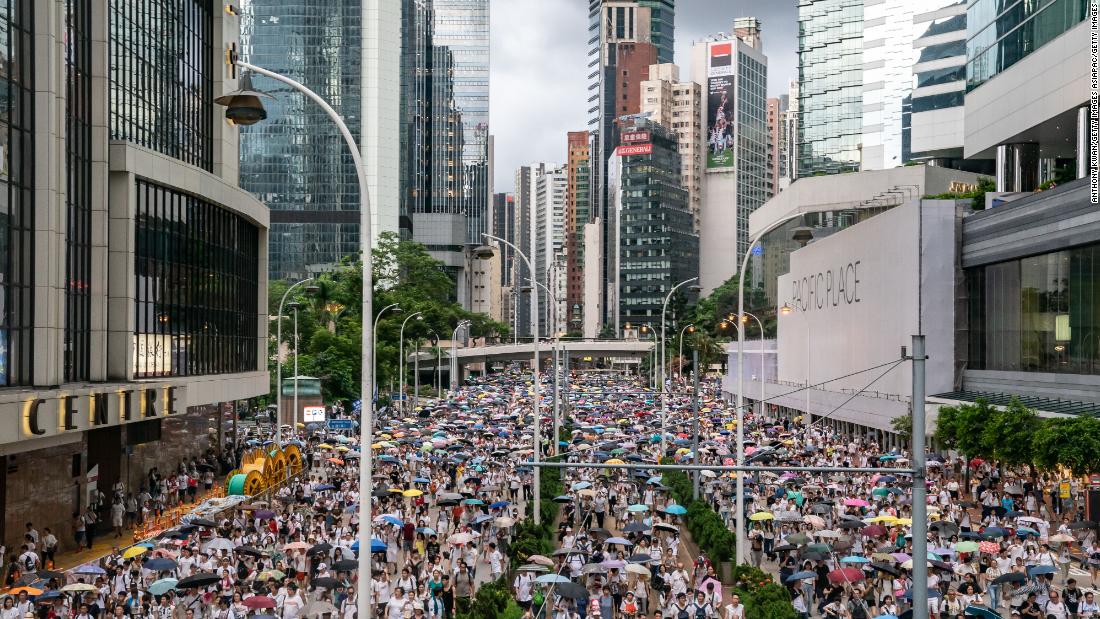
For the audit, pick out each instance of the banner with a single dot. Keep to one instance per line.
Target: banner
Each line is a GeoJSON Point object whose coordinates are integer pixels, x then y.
{"type": "Point", "coordinates": [720, 144]}
{"type": "Point", "coordinates": [635, 149]}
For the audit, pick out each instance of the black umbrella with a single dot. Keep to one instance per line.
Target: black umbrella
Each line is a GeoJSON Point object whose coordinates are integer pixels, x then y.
{"type": "Point", "coordinates": [639, 558]}
{"type": "Point", "coordinates": [345, 565]}
{"type": "Point", "coordinates": [203, 522]}
{"type": "Point", "coordinates": [885, 568]}
{"type": "Point", "coordinates": [571, 590]}
{"type": "Point", "coordinates": [204, 579]}
{"type": "Point", "coordinates": [950, 528]}
{"type": "Point", "coordinates": [784, 548]}
{"type": "Point", "coordinates": [319, 548]}
{"type": "Point", "coordinates": [851, 524]}
{"type": "Point", "coordinates": [250, 551]}
{"type": "Point", "coordinates": [326, 582]}
{"type": "Point", "coordinates": [1010, 577]}
{"type": "Point", "coordinates": [635, 527]}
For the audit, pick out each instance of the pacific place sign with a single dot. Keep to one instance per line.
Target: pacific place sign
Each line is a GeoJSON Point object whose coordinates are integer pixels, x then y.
{"type": "Point", "coordinates": [828, 288]}
{"type": "Point", "coordinates": [63, 413]}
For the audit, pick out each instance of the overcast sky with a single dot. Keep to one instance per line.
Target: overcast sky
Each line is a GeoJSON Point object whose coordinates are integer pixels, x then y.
{"type": "Point", "coordinates": [538, 77]}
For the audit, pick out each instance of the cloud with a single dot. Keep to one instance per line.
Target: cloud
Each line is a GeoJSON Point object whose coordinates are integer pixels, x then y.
{"type": "Point", "coordinates": [538, 79]}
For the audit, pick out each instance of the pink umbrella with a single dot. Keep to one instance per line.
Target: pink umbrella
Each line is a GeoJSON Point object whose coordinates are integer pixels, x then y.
{"type": "Point", "coordinates": [855, 503]}
{"type": "Point", "coordinates": [900, 557]}
{"type": "Point", "coordinates": [846, 574]}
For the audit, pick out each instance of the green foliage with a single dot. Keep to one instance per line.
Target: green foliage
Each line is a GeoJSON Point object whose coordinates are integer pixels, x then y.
{"type": "Point", "coordinates": [529, 538]}
{"type": "Point", "coordinates": [903, 426]}
{"type": "Point", "coordinates": [1073, 443]}
{"type": "Point", "coordinates": [1016, 436]}
{"type": "Point", "coordinates": [706, 527]}
{"type": "Point", "coordinates": [490, 602]}
{"type": "Point", "coordinates": [762, 596]}
{"type": "Point", "coordinates": [976, 196]}
{"type": "Point", "coordinates": [330, 317]}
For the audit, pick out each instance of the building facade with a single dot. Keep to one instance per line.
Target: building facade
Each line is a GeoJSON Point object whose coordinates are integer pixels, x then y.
{"type": "Point", "coordinates": [830, 86]}
{"type": "Point", "coordinates": [548, 236]}
{"type": "Point", "coordinates": [733, 75]}
{"type": "Point", "coordinates": [578, 213]}
{"type": "Point", "coordinates": [936, 127]}
{"type": "Point", "coordinates": [135, 289]}
{"type": "Point", "coordinates": [1042, 50]}
{"type": "Point", "coordinates": [625, 38]}
{"type": "Point", "coordinates": [656, 241]}
{"type": "Point", "coordinates": [298, 164]}
{"type": "Point", "coordinates": [678, 106]}
{"type": "Point", "coordinates": [445, 142]}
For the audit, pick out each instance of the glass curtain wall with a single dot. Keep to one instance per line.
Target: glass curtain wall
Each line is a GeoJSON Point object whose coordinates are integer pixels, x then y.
{"type": "Point", "coordinates": [1037, 314]}
{"type": "Point", "coordinates": [196, 272]}
{"type": "Point", "coordinates": [78, 195]}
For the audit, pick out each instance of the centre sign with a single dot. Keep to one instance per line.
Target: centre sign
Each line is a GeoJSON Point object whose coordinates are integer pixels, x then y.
{"type": "Point", "coordinates": [41, 417]}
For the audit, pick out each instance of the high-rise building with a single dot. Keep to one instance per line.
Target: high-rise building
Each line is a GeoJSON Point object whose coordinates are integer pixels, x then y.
{"type": "Point", "coordinates": [734, 76]}
{"type": "Point", "coordinates": [830, 86]}
{"type": "Point", "coordinates": [678, 106]}
{"type": "Point", "coordinates": [777, 109]}
{"type": "Point", "coordinates": [504, 226]}
{"type": "Point", "coordinates": [548, 233]}
{"type": "Point", "coordinates": [133, 283]}
{"type": "Point", "coordinates": [655, 241]}
{"type": "Point", "coordinates": [936, 125]}
{"type": "Point", "coordinates": [525, 239]}
{"type": "Point", "coordinates": [298, 164]}
{"type": "Point", "coordinates": [445, 143]}
{"type": "Point", "coordinates": [578, 213]}
{"type": "Point", "coordinates": [625, 38]}
{"type": "Point", "coordinates": [1032, 137]}
{"type": "Point", "coordinates": [790, 132]}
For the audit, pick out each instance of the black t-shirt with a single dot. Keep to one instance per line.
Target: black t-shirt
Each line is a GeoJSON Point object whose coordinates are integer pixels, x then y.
{"type": "Point", "coordinates": [1072, 598]}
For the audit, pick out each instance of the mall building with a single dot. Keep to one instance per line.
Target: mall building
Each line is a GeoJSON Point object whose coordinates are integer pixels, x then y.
{"type": "Point", "coordinates": [133, 278]}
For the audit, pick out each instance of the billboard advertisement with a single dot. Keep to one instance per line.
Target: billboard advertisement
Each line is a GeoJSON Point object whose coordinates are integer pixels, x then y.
{"type": "Point", "coordinates": [312, 414]}
{"type": "Point", "coordinates": [634, 149]}
{"type": "Point", "coordinates": [720, 84]}
{"type": "Point", "coordinates": [633, 137]}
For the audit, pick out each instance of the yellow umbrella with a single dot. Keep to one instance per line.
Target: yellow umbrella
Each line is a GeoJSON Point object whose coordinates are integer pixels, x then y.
{"type": "Point", "coordinates": [683, 450]}
{"type": "Point", "coordinates": [412, 493]}
{"type": "Point", "coordinates": [376, 446]}
{"type": "Point", "coordinates": [134, 551]}
{"type": "Point", "coordinates": [324, 446]}
{"type": "Point", "coordinates": [342, 448]}
{"type": "Point", "coordinates": [397, 490]}
{"type": "Point", "coordinates": [884, 518]}
{"type": "Point", "coordinates": [758, 516]}
{"type": "Point", "coordinates": [904, 521]}
{"type": "Point", "coordinates": [614, 461]}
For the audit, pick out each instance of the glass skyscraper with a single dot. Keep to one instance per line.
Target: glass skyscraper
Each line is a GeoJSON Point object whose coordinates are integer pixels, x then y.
{"type": "Point", "coordinates": [296, 161]}
{"type": "Point", "coordinates": [830, 81]}
{"type": "Point", "coordinates": [445, 117]}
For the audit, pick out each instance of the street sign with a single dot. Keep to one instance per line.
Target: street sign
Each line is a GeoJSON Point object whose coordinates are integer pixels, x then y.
{"type": "Point", "coordinates": [397, 396]}
{"type": "Point", "coordinates": [341, 424]}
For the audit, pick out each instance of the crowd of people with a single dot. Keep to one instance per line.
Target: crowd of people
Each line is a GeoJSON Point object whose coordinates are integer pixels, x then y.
{"type": "Point", "coordinates": [450, 486]}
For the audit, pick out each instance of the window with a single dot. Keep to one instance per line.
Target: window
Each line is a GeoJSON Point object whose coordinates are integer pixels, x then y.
{"type": "Point", "coordinates": [17, 189]}
{"type": "Point", "coordinates": [78, 195]}
{"type": "Point", "coordinates": [161, 88]}
{"type": "Point", "coordinates": [196, 286]}
{"type": "Point", "coordinates": [1037, 314]}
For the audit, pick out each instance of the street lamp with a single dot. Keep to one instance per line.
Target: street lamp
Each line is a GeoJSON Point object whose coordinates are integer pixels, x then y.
{"type": "Point", "coordinates": [396, 307]}
{"type": "Point", "coordinates": [745, 318]}
{"type": "Point", "coordinates": [740, 537]}
{"type": "Point", "coordinates": [454, 353]}
{"type": "Point", "coordinates": [279, 362]}
{"type": "Point", "coordinates": [294, 305]}
{"type": "Point", "coordinates": [438, 363]}
{"type": "Point", "coordinates": [653, 365]}
{"type": "Point", "coordinates": [486, 252]}
{"type": "Point", "coordinates": [556, 362]}
{"type": "Point", "coordinates": [244, 106]}
{"type": "Point", "coordinates": [690, 329]}
{"type": "Point", "coordinates": [401, 357]}
{"type": "Point", "coordinates": [664, 345]}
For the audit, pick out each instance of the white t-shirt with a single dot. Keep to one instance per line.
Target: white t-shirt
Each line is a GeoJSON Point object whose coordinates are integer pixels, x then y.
{"type": "Point", "coordinates": [292, 606]}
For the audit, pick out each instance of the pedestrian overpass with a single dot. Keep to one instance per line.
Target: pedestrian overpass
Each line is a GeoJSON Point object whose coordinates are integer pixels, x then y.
{"type": "Point", "coordinates": [604, 352]}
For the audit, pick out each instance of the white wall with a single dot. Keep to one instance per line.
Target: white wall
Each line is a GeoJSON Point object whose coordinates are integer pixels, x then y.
{"type": "Point", "coordinates": [856, 295]}
{"type": "Point", "coordinates": [718, 231]}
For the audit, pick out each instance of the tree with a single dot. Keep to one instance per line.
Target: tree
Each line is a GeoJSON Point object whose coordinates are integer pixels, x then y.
{"type": "Point", "coordinates": [1007, 433]}
{"type": "Point", "coordinates": [960, 427]}
{"type": "Point", "coordinates": [1070, 442]}
{"type": "Point", "coordinates": [903, 426]}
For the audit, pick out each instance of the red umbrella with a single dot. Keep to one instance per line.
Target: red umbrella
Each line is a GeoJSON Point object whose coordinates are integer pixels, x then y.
{"type": "Point", "coordinates": [259, 601]}
{"type": "Point", "coordinates": [989, 547]}
{"type": "Point", "coordinates": [846, 574]}
{"type": "Point", "coordinates": [874, 530]}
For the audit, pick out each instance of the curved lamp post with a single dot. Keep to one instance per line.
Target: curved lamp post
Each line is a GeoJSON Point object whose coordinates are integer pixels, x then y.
{"type": "Point", "coordinates": [664, 345]}
{"type": "Point", "coordinates": [244, 107]}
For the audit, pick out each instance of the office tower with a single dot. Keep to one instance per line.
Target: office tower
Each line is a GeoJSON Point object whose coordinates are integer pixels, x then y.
{"type": "Point", "coordinates": [445, 145]}
{"type": "Point", "coordinates": [830, 85]}
{"type": "Point", "coordinates": [524, 234]}
{"type": "Point", "coordinates": [936, 125]}
{"type": "Point", "coordinates": [776, 110]}
{"type": "Point", "coordinates": [655, 241]}
{"type": "Point", "coordinates": [548, 236]}
{"type": "Point", "coordinates": [625, 38]}
{"type": "Point", "coordinates": [298, 163]}
{"type": "Point", "coordinates": [790, 132]}
{"type": "Point", "coordinates": [678, 106]}
{"type": "Point", "coordinates": [504, 226]}
{"type": "Point", "coordinates": [733, 76]}
{"type": "Point", "coordinates": [578, 213]}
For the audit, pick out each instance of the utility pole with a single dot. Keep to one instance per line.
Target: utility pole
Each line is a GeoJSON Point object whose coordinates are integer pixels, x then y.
{"type": "Point", "coordinates": [695, 421]}
{"type": "Point", "coordinates": [920, 490]}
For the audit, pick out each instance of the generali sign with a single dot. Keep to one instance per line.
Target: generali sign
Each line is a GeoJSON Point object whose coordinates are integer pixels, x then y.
{"type": "Point", "coordinates": [62, 413]}
{"type": "Point", "coordinates": [634, 149]}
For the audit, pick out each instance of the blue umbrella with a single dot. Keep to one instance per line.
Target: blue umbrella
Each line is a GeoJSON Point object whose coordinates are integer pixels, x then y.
{"type": "Point", "coordinates": [421, 480]}
{"type": "Point", "coordinates": [855, 559]}
{"type": "Point", "coordinates": [581, 485]}
{"type": "Point", "coordinates": [1041, 569]}
{"type": "Point", "coordinates": [394, 520]}
{"type": "Point", "coordinates": [887, 617]}
{"type": "Point", "coordinates": [325, 487]}
{"type": "Point", "coordinates": [376, 545]}
{"type": "Point", "coordinates": [676, 510]}
{"type": "Point", "coordinates": [801, 576]}
{"type": "Point", "coordinates": [160, 564]}
{"type": "Point", "coordinates": [426, 530]}
{"type": "Point", "coordinates": [981, 611]}
{"type": "Point", "coordinates": [162, 586]}
{"type": "Point", "coordinates": [499, 505]}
